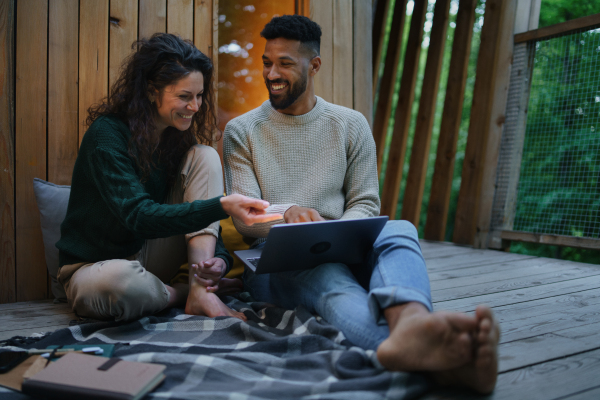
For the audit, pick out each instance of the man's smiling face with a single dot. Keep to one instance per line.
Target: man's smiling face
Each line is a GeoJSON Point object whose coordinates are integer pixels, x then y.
{"type": "Point", "coordinates": [285, 70]}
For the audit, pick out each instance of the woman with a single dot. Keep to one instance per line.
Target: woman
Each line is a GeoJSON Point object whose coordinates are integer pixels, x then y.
{"type": "Point", "coordinates": [146, 198]}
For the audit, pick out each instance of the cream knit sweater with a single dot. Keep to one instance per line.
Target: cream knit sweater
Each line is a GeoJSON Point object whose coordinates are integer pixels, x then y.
{"type": "Point", "coordinates": [324, 159]}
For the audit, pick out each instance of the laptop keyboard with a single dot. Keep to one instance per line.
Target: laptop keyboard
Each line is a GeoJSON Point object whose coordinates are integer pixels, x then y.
{"type": "Point", "coordinates": [253, 261]}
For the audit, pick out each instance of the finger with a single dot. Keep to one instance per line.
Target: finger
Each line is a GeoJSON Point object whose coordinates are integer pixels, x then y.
{"type": "Point", "coordinates": [256, 203]}
{"type": "Point", "coordinates": [255, 219]}
{"type": "Point", "coordinates": [204, 282]}
{"type": "Point", "coordinates": [212, 289]}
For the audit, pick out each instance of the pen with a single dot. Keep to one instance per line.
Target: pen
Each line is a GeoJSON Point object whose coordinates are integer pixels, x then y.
{"type": "Point", "coordinates": [60, 352]}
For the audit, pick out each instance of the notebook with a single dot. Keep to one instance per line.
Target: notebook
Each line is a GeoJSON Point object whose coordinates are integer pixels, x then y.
{"type": "Point", "coordinates": [81, 376]}
{"type": "Point", "coordinates": [305, 245]}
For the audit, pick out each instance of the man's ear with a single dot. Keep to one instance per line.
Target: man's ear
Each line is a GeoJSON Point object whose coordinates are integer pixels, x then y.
{"type": "Point", "coordinates": [314, 65]}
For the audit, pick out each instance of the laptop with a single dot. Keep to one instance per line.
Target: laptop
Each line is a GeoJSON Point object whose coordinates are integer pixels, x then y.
{"type": "Point", "coordinates": [305, 245]}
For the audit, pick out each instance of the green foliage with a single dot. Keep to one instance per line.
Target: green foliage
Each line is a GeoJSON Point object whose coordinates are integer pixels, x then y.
{"type": "Point", "coordinates": [557, 11]}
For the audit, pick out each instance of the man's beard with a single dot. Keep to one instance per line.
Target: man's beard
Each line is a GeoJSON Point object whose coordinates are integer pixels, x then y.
{"type": "Point", "coordinates": [283, 101]}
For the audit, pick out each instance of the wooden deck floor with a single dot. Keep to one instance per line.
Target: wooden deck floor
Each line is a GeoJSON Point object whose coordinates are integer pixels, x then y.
{"type": "Point", "coordinates": [549, 313]}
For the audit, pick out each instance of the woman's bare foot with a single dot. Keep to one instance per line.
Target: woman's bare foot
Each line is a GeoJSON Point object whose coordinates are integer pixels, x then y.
{"type": "Point", "coordinates": [201, 302]}
{"type": "Point", "coordinates": [424, 341]}
{"type": "Point", "coordinates": [177, 294]}
{"type": "Point", "coordinates": [480, 373]}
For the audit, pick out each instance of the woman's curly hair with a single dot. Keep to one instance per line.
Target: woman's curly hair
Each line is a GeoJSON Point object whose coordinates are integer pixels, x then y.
{"type": "Point", "coordinates": [159, 62]}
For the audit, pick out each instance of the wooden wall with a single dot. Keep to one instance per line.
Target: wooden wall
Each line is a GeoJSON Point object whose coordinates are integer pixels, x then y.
{"type": "Point", "coordinates": [67, 54]}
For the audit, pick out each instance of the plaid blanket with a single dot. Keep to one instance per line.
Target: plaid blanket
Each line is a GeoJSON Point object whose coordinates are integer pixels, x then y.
{"type": "Point", "coordinates": [277, 354]}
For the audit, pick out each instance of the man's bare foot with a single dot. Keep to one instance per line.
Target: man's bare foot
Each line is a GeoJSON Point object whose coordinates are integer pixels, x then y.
{"type": "Point", "coordinates": [480, 373]}
{"type": "Point", "coordinates": [424, 341]}
{"type": "Point", "coordinates": [201, 302]}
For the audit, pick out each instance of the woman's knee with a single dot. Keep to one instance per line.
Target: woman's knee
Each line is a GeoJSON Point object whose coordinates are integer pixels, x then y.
{"type": "Point", "coordinates": [204, 156]}
{"type": "Point", "coordinates": [113, 289]}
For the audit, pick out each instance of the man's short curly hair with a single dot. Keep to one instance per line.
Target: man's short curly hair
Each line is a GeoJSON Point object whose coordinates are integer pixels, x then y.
{"type": "Point", "coordinates": [295, 27]}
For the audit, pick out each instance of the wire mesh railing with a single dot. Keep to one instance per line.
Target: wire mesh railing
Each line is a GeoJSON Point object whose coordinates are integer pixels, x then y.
{"type": "Point", "coordinates": [549, 165]}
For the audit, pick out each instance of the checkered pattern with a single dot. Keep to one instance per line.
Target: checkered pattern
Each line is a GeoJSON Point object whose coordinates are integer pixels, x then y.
{"type": "Point", "coordinates": [277, 354]}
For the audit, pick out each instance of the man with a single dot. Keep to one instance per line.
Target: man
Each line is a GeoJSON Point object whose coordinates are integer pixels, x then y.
{"type": "Point", "coordinates": [313, 160]}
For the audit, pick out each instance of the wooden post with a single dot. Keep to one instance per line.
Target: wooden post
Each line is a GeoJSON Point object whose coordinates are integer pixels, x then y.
{"type": "Point", "coordinates": [180, 18]}
{"type": "Point", "coordinates": [383, 108]}
{"type": "Point", "coordinates": [378, 34]}
{"type": "Point", "coordinates": [93, 57]}
{"type": "Point", "coordinates": [393, 173]}
{"type": "Point", "coordinates": [363, 89]}
{"type": "Point", "coordinates": [63, 58]}
{"type": "Point", "coordinates": [495, 127]}
{"type": "Point", "coordinates": [7, 160]}
{"type": "Point", "coordinates": [30, 145]}
{"type": "Point", "coordinates": [467, 212]}
{"type": "Point", "coordinates": [415, 182]}
{"type": "Point", "coordinates": [153, 17]}
{"type": "Point", "coordinates": [441, 185]}
{"type": "Point", "coordinates": [123, 32]}
{"type": "Point", "coordinates": [321, 11]}
{"type": "Point", "coordinates": [342, 57]}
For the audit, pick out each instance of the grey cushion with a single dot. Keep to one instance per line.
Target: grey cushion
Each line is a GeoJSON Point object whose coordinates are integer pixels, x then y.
{"type": "Point", "coordinates": [52, 201]}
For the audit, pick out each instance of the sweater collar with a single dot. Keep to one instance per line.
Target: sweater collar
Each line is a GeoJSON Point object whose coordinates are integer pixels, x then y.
{"type": "Point", "coordinates": [310, 116]}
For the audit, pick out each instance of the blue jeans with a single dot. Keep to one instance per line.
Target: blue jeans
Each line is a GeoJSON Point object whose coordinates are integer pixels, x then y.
{"type": "Point", "coordinates": [352, 297]}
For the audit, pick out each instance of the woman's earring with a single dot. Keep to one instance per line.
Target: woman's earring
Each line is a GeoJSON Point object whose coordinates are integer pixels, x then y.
{"type": "Point", "coordinates": [151, 101]}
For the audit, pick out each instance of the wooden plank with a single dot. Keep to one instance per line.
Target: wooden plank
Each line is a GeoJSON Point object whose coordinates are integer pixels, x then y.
{"type": "Point", "coordinates": [63, 58]}
{"type": "Point", "coordinates": [472, 259]}
{"type": "Point", "coordinates": [152, 17]}
{"type": "Point", "coordinates": [203, 26]}
{"type": "Point", "coordinates": [586, 394]}
{"type": "Point", "coordinates": [93, 56]}
{"type": "Point", "coordinates": [7, 154]}
{"type": "Point", "coordinates": [30, 331]}
{"type": "Point", "coordinates": [322, 13]}
{"type": "Point", "coordinates": [395, 164]}
{"type": "Point", "coordinates": [30, 314]}
{"type": "Point", "coordinates": [31, 69]}
{"type": "Point", "coordinates": [441, 185]}
{"type": "Point", "coordinates": [564, 28]}
{"type": "Point", "coordinates": [25, 305]}
{"type": "Point", "coordinates": [557, 240]}
{"type": "Point", "coordinates": [519, 295]}
{"type": "Point", "coordinates": [527, 269]}
{"type": "Point", "coordinates": [123, 32]}
{"type": "Point", "coordinates": [37, 322]}
{"type": "Point", "coordinates": [436, 252]}
{"type": "Point", "coordinates": [363, 68]}
{"type": "Point", "coordinates": [495, 128]}
{"type": "Point", "coordinates": [419, 158]}
{"type": "Point", "coordinates": [380, 16]}
{"type": "Point", "coordinates": [180, 18]}
{"type": "Point", "coordinates": [383, 108]}
{"type": "Point", "coordinates": [343, 54]}
{"type": "Point", "coordinates": [477, 266]}
{"type": "Point", "coordinates": [509, 284]}
{"type": "Point", "coordinates": [559, 344]}
{"type": "Point", "coordinates": [481, 110]}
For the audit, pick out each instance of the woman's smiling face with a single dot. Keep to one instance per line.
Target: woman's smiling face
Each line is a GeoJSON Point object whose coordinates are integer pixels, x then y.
{"type": "Point", "coordinates": [178, 102]}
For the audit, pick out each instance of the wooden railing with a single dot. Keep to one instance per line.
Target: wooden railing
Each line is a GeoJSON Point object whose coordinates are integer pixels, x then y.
{"type": "Point", "coordinates": [487, 113]}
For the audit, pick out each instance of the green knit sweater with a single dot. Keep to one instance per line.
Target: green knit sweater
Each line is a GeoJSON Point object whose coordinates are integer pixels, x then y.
{"type": "Point", "coordinates": [111, 212]}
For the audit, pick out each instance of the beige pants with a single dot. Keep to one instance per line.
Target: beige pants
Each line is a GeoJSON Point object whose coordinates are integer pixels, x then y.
{"type": "Point", "coordinates": [134, 287]}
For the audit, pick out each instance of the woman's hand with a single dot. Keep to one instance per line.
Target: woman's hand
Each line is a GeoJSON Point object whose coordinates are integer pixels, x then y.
{"type": "Point", "coordinates": [208, 273]}
{"type": "Point", "coordinates": [249, 211]}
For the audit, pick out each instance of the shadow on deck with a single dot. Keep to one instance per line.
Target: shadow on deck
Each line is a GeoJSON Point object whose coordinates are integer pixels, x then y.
{"type": "Point", "coordinates": [549, 313]}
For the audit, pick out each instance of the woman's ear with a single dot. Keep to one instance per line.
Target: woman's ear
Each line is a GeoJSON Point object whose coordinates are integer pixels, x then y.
{"type": "Point", "coordinates": [152, 94]}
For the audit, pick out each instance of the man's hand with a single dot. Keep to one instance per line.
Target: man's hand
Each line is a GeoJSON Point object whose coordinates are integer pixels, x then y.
{"type": "Point", "coordinates": [301, 214]}
{"type": "Point", "coordinates": [208, 273]}
{"type": "Point", "coordinates": [249, 211]}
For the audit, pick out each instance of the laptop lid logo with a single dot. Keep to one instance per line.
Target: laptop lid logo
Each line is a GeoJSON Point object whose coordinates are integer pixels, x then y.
{"type": "Point", "coordinates": [320, 247]}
